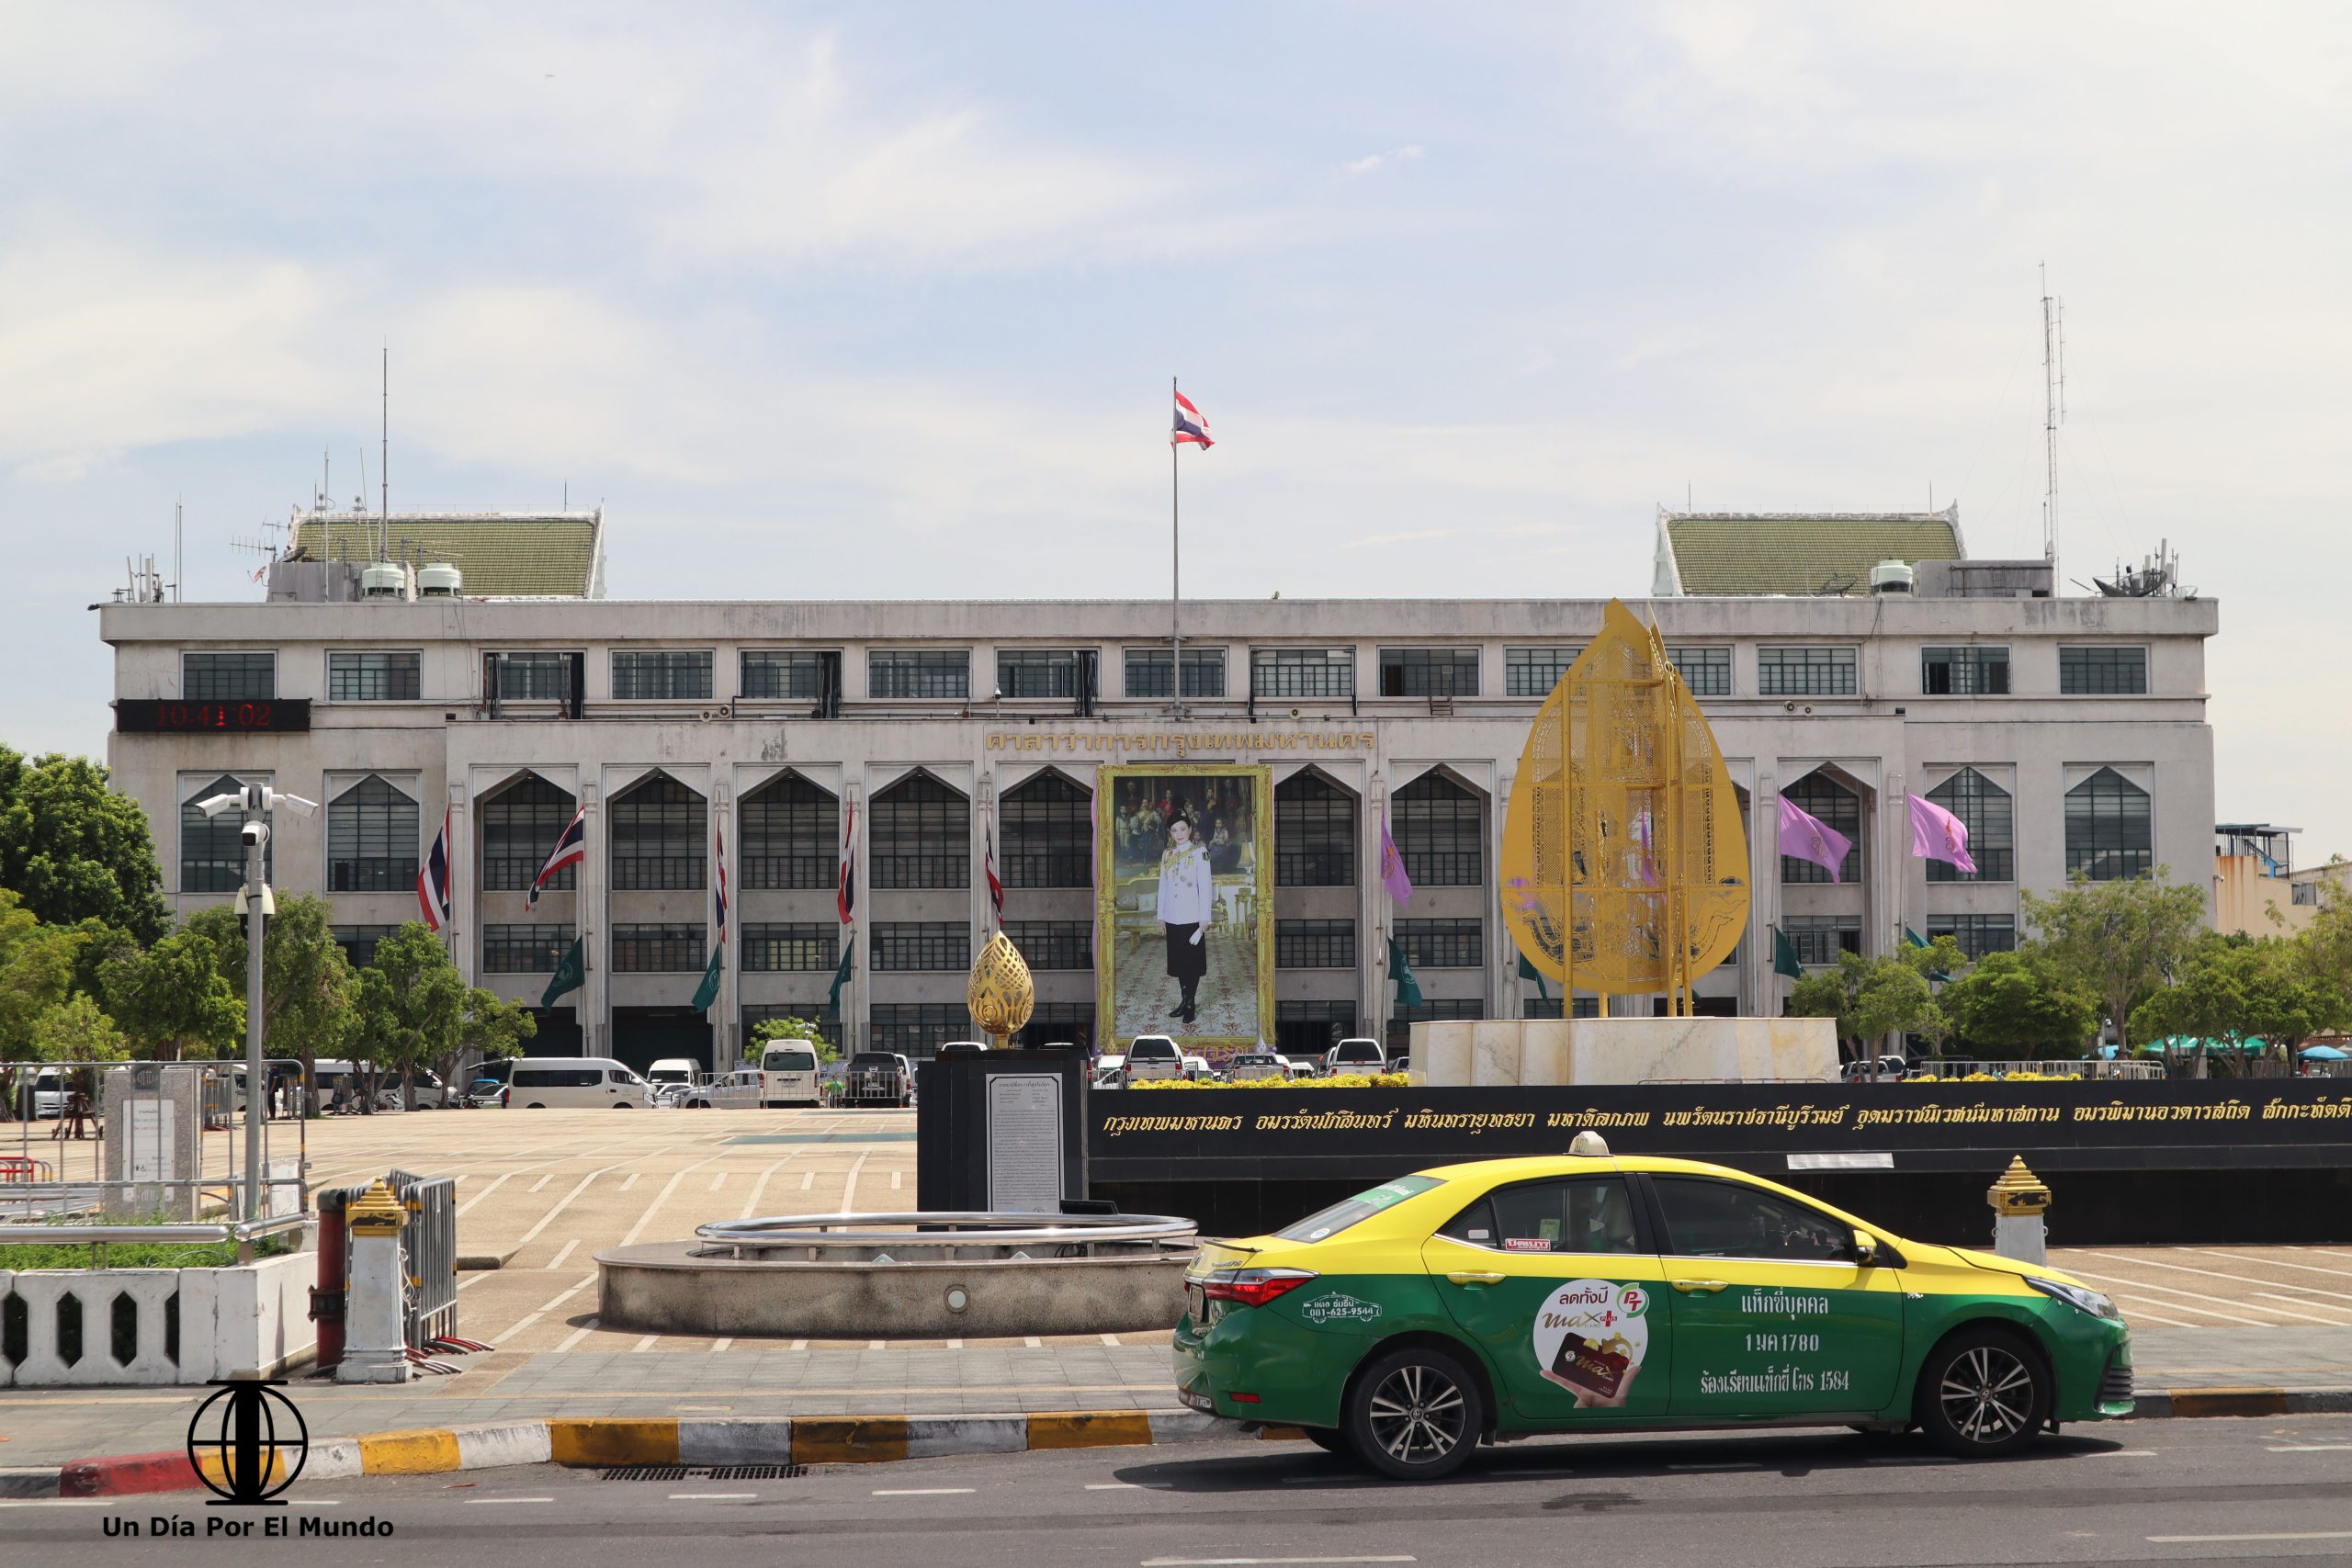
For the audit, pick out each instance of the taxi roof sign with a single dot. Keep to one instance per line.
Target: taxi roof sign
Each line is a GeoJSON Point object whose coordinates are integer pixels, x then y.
{"type": "Point", "coordinates": [1590, 1145]}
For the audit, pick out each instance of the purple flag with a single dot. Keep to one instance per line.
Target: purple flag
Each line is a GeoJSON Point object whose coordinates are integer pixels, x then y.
{"type": "Point", "coordinates": [1937, 834]}
{"type": "Point", "coordinates": [1804, 836]}
{"type": "Point", "coordinates": [1392, 866]}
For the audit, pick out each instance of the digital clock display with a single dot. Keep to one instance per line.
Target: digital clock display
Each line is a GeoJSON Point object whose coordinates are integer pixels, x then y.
{"type": "Point", "coordinates": [260, 716]}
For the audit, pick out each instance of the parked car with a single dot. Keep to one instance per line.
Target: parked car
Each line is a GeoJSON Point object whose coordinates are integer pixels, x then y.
{"type": "Point", "coordinates": [561, 1082]}
{"type": "Point", "coordinates": [1511, 1297]}
{"type": "Point", "coordinates": [1885, 1070]}
{"type": "Point", "coordinates": [484, 1093]}
{"type": "Point", "coordinates": [1154, 1056]}
{"type": "Point", "coordinates": [1110, 1071]}
{"type": "Point", "coordinates": [877, 1078]}
{"type": "Point", "coordinates": [673, 1072]}
{"type": "Point", "coordinates": [1251, 1066]}
{"type": "Point", "coordinates": [738, 1090]}
{"type": "Point", "coordinates": [46, 1095]}
{"type": "Point", "coordinates": [788, 1073]}
{"type": "Point", "coordinates": [1356, 1056]}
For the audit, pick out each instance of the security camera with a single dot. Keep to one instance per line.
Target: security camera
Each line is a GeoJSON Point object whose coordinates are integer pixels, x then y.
{"type": "Point", "coordinates": [293, 803]}
{"type": "Point", "coordinates": [214, 806]}
{"type": "Point", "coordinates": [255, 833]}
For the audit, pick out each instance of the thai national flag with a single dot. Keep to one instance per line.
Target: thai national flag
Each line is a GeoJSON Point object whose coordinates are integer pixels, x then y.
{"type": "Point", "coordinates": [996, 888]}
{"type": "Point", "coordinates": [570, 849]}
{"type": "Point", "coordinates": [721, 826]}
{"type": "Point", "coordinates": [433, 882]}
{"type": "Point", "coordinates": [845, 894]}
{"type": "Point", "coordinates": [1190, 425]}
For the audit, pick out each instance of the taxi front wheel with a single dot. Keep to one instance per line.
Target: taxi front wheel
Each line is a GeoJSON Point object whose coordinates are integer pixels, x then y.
{"type": "Point", "coordinates": [1983, 1394]}
{"type": "Point", "coordinates": [1415, 1413]}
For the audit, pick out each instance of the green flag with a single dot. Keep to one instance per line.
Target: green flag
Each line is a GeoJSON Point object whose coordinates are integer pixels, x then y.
{"type": "Point", "coordinates": [707, 992]}
{"type": "Point", "coordinates": [1529, 972]}
{"type": "Point", "coordinates": [1409, 990]}
{"type": "Point", "coordinates": [1914, 938]}
{"type": "Point", "coordinates": [840, 977]}
{"type": "Point", "coordinates": [570, 975]}
{"type": "Point", "coordinates": [1784, 955]}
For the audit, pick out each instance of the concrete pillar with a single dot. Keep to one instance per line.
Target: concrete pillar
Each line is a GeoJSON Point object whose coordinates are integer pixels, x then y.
{"type": "Point", "coordinates": [1504, 988]}
{"type": "Point", "coordinates": [726, 1012]}
{"type": "Point", "coordinates": [375, 1345]}
{"type": "Point", "coordinates": [1375, 912]}
{"type": "Point", "coordinates": [1762, 988]}
{"type": "Point", "coordinates": [594, 901]}
{"type": "Point", "coordinates": [855, 1024]}
{"type": "Point", "coordinates": [465, 871]}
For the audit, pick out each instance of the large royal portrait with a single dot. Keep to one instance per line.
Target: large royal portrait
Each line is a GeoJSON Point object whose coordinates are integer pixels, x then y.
{"type": "Point", "coordinates": [1184, 909]}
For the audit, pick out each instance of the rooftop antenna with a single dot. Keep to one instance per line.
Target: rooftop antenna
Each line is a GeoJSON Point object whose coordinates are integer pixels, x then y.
{"type": "Point", "coordinates": [179, 557]}
{"type": "Point", "coordinates": [384, 461]}
{"type": "Point", "coordinates": [2054, 413]}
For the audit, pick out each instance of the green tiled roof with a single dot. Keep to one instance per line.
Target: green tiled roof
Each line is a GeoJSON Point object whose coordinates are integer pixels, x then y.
{"type": "Point", "coordinates": [519, 556]}
{"type": "Point", "coordinates": [1776, 554]}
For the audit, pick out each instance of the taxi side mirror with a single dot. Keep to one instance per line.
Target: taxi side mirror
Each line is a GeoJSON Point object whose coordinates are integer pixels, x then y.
{"type": "Point", "coordinates": [1870, 1252]}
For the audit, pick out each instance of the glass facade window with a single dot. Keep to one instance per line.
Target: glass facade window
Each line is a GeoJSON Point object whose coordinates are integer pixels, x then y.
{"type": "Point", "coordinates": [1055, 1023]}
{"type": "Point", "coordinates": [1534, 672]}
{"type": "Point", "coordinates": [1037, 672]}
{"type": "Point", "coordinates": [1308, 1029]}
{"type": "Point", "coordinates": [1150, 673]}
{"type": "Point", "coordinates": [371, 838]}
{"type": "Point", "coordinates": [919, 673]}
{"type": "Point", "coordinates": [519, 827]}
{"type": "Point", "coordinates": [1315, 833]}
{"type": "Point", "coordinates": [661, 674]}
{"type": "Point", "coordinates": [359, 942]}
{"type": "Point", "coordinates": [228, 677]}
{"type": "Point", "coordinates": [1047, 833]}
{"type": "Point", "coordinates": [1315, 944]}
{"type": "Point", "coordinates": [213, 849]}
{"type": "Point", "coordinates": [660, 834]}
{"type": "Point", "coordinates": [1969, 670]}
{"type": "Point", "coordinates": [1440, 832]}
{"type": "Point", "coordinates": [1303, 671]}
{"type": "Point", "coordinates": [2304, 893]}
{"type": "Point", "coordinates": [920, 836]}
{"type": "Point", "coordinates": [534, 677]}
{"type": "Point", "coordinates": [791, 833]}
{"type": "Point", "coordinates": [1428, 671]}
{"type": "Point", "coordinates": [1990, 816]}
{"type": "Point", "coordinates": [1053, 944]}
{"type": "Point", "coordinates": [2111, 832]}
{"type": "Point", "coordinates": [1443, 944]}
{"type": "Point", "coordinates": [660, 949]}
{"type": "Point", "coordinates": [757, 1014]}
{"type": "Point", "coordinates": [1977, 934]}
{"type": "Point", "coordinates": [1401, 1021]}
{"type": "Point", "coordinates": [1549, 1006]}
{"type": "Point", "coordinates": [917, 1029]}
{"type": "Point", "coordinates": [374, 677]}
{"type": "Point", "coordinates": [2103, 672]}
{"type": "Point", "coordinates": [1840, 809]}
{"type": "Point", "coordinates": [1819, 939]}
{"type": "Point", "coordinates": [791, 673]}
{"type": "Point", "coordinates": [930, 946]}
{"type": "Point", "coordinates": [1705, 670]}
{"type": "Point", "coordinates": [1806, 672]}
{"type": "Point", "coordinates": [534, 949]}
{"type": "Point", "coordinates": [800, 946]}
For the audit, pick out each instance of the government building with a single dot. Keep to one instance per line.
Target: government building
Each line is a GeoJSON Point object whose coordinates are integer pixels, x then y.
{"type": "Point", "coordinates": [406, 671]}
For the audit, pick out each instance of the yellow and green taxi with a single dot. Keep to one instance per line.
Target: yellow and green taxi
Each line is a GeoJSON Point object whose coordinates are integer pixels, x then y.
{"type": "Point", "coordinates": [1509, 1298]}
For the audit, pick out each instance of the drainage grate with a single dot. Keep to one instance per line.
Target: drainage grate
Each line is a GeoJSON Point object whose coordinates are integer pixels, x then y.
{"type": "Point", "coordinates": [704, 1473]}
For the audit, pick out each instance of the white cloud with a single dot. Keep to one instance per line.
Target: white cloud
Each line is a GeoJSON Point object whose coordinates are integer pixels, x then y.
{"type": "Point", "coordinates": [1411, 152]}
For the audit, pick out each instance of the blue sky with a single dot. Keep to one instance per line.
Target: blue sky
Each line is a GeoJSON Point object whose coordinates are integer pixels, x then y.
{"type": "Point", "coordinates": [860, 300]}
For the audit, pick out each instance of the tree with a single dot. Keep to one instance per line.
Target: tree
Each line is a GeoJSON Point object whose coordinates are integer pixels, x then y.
{"type": "Point", "coordinates": [491, 1027]}
{"type": "Point", "coordinates": [2009, 1005]}
{"type": "Point", "coordinates": [77, 1029]}
{"type": "Point", "coordinates": [803, 1029]}
{"type": "Point", "coordinates": [1872, 997]}
{"type": "Point", "coordinates": [74, 849]}
{"type": "Point", "coordinates": [35, 974]}
{"type": "Point", "coordinates": [2116, 939]}
{"type": "Point", "coordinates": [2240, 989]}
{"type": "Point", "coordinates": [170, 997]}
{"type": "Point", "coordinates": [411, 1006]}
{"type": "Point", "coordinates": [310, 992]}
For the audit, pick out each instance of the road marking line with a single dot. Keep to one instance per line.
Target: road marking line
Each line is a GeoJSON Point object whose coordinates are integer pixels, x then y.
{"type": "Point", "coordinates": [874, 1344]}
{"type": "Point", "coordinates": [478, 1278]}
{"type": "Point", "coordinates": [808, 1179]}
{"type": "Point", "coordinates": [893, 1179]}
{"type": "Point", "coordinates": [2264, 1535]}
{"type": "Point", "coordinates": [565, 1202]}
{"type": "Point", "coordinates": [2136, 1286]}
{"type": "Point", "coordinates": [63, 1502]}
{"type": "Point", "coordinates": [645, 1344]}
{"type": "Point", "coordinates": [849, 1189]}
{"type": "Point", "coordinates": [760, 1186]}
{"type": "Point", "coordinates": [2124, 1453]}
{"type": "Point", "coordinates": [1112, 1486]}
{"type": "Point", "coordinates": [1110, 1339]}
{"type": "Point", "coordinates": [669, 1187]}
{"type": "Point", "coordinates": [492, 1502]}
{"type": "Point", "coordinates": [2313, 1449]}
{"type": "Point", "coordinates": [495, 1184]}
{"type": "Point", "coordinates": [577, 1335]}
{"type": "Point", "coordinates": [1032, 1342]}
{"type": "Point", "coordinates": [1248, 1562]}
{"type": "Point", "coordinates": [714, 1497]}
{"type": "Point", "coordinates": [2217, 1274]}
{"type": "Point", "coordinates": [2278, 1262]}
{"type": "Point", "coordinates": [632, 1179]}
{"type": "Point", "coordinates": [562, 1253]}
{"type": "Point", "coordinates": [924, 1491]}
{"type": "Point", "coordinates": [535, 1318]}
{"type": "Point", "coordinates": [2139, 1309]}
{"type": "Point", "coordinates": [542, 1181]}
{"type": "Point", "coordinates": [723, 1343]}
{"type": "Point", "coordinates": [718, 1182]}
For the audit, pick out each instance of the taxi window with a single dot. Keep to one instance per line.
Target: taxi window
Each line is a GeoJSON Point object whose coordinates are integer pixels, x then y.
{"type": "Point", "coordinates": [1587, 1214]}
{"type": "Point", "coordinates": [1720, 1219]}
{"type": "Point", "coordinates": [1356, 1210]}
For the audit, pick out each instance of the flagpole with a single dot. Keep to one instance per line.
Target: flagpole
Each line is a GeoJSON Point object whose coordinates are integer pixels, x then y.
{"type": "Point", "coordinates": [1175, 564]}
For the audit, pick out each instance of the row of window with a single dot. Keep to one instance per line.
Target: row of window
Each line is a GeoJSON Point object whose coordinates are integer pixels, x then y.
{"type": "Point", "coordinates": [2109, 828]}
{"type": "Point", "coordinates": [1819, 939]}
{"type": "Point", "coordinates": [687, 674]}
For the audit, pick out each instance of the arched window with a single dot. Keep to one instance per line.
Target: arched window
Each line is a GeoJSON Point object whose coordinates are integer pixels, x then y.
{"type": "Point", "coordinates": [213, 849]}
{"type": "Point", "coordinates": [659, 832]}
{"type": "Point", "coordinates": [1990, 816]}
{"type": "Point", "coordinates": [792, 835]}
{"type": "Point", "coordinates": [2110, 835]}
{"type": "Point", "coordinates": [1315, 833]}
{"type": "Point", "coordinates": [519, 826]}
{"type": "Point", "coordinates": [1439, 831]}
{"type": "Point", "coordinates": [1838, 809]}
{"type": "Point", "coordinates": [1048, 834]}
{"type": "Point", "coordinates": [921, 835]}
{"type": "Point", "coordinates": [371, 838]}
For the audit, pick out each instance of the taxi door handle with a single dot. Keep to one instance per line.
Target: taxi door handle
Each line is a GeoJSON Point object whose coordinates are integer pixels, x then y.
{"type": "Point", "coordinates": [1475, 1276]}
{"type": "Point", "coordinates": [1686, 1286]}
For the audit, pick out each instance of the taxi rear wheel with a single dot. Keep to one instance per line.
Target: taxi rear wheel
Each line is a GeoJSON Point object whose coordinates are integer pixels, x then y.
{"type": "Point", "coordinates": [1415, 1413]}
{"type": "Point", "coordinates": [1983, 1394]}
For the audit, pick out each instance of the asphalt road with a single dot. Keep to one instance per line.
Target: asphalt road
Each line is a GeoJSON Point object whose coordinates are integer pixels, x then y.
{"type": "Point", "coordinates": [2148, 1491]}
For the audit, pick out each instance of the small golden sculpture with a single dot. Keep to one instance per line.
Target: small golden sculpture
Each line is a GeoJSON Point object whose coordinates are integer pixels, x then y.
{"type": "Point", "coordinates": [1001, 996]}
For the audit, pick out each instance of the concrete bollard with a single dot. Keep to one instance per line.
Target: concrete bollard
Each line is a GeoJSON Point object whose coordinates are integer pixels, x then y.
{"type": "Point", "coordinates": [2019, 1201]}
{"type": "Point", "coordinates": [375, 1344]}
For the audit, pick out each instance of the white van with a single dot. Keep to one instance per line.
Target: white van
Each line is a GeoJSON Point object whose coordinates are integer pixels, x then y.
{"type": "Point", "coordinates": [788, 1073]}
{"type": "Point", "coordinates": [561, 1083]}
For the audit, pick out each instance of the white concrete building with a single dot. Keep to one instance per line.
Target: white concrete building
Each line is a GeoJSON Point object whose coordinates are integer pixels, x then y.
{"type": "Point", "coordinates": [2071, 734]}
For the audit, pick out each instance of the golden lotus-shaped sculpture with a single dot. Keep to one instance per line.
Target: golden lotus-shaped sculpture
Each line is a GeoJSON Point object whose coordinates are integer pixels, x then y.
{"type": "Point", "coordinates": [1002, 995]}
{"type": "Point", "coordinates": [1625, 865]}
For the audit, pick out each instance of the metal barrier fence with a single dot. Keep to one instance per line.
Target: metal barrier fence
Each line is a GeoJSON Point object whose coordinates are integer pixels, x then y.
{"type": "Point", "coordinates": [428, 1255]}
{"type": "Point", "coordinates": [2059, 1067]}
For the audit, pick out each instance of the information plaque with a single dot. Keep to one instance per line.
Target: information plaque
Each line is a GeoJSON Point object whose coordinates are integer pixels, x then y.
{"type": "Point", "coordinates": [1025, 1134]}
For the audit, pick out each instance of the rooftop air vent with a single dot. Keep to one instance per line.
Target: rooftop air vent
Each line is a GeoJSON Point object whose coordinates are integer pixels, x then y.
{"type": "Point", "coordinates": [1891, 577]}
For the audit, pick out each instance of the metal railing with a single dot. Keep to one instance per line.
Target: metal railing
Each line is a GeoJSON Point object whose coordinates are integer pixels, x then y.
{"type": "Point", "coordinates": [244, 1232]}
{"type": "Point", "coordinates": [428, 1255]}
{"type": "Point", "coordinates": [960, 1235]}
{"type": "Point", "coordinates": [2074, 1067]}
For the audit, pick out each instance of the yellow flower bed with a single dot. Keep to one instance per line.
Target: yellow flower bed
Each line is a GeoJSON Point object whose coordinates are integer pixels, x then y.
{"type": "Point", "coordinates": [1344, 1080]}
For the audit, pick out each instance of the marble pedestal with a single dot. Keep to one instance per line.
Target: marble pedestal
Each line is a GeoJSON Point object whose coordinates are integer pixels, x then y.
{"type": "Point", "coordinates": [1495, 1053]}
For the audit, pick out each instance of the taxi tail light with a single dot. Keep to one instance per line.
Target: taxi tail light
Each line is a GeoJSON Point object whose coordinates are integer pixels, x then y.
{"type": "Point", "coordinates": [1253, 1287]}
